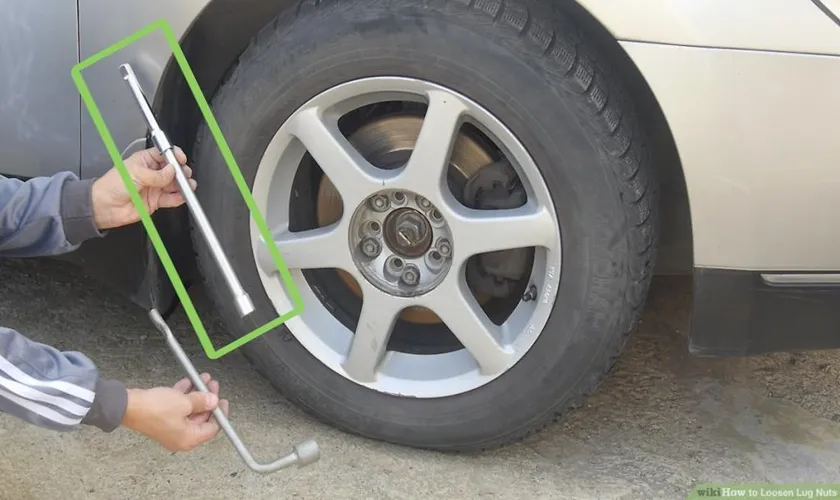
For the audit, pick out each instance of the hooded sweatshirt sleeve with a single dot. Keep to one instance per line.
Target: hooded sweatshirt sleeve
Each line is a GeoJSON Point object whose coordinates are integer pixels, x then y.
{"type": "Point", "coordinates": [55, 389]}
{"type": "Point", "coordinates": [45, 216]}
{"type": "Point", "coordinates": [44, 386]}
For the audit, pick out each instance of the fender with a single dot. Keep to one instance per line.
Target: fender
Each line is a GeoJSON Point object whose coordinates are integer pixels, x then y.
{"type": "Point", "coordinates": [762, 25]}
{"type": "Point", "coordinates": [751, 106]}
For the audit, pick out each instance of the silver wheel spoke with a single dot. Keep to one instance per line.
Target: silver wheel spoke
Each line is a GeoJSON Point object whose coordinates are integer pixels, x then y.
{"type": "Point", "coordinates": [481, 231]}
{"type": "Point", "coordinates": [430, 158]}
{"type": "Point", "coordinates": [321, 248]}
{"type": "Point", "coordinates": [369, 344]}
{"type": "Point", "coordinates": [346, 168]}
{"type": "Point", "coordinates": [454, 304]}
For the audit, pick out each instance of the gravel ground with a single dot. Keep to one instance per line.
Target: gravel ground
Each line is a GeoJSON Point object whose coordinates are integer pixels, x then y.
{"type": "Point", "coordinates": [661, 422]}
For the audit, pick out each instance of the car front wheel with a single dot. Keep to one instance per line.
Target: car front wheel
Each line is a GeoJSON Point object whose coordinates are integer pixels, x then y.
{"type": "Point", "coordinates": [462, 199]}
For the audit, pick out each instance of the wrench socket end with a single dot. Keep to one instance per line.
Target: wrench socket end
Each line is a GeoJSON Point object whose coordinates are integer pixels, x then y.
{"type": "Point", "coordinates": [244, 305]}
{"type": "Point", "coordinates": [307, 452]}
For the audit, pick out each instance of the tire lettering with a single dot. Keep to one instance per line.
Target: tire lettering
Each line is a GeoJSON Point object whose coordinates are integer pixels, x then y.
{"type": "Point", "coordinates": [531, 330]}
{"type": "Point", "coordinates": [547, 293]}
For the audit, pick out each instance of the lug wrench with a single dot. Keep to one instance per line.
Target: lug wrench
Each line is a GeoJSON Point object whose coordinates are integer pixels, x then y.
{"type": "Point", "coordinates": [304, 453]}
{"type": "Point", "coordinates": [240, 296]}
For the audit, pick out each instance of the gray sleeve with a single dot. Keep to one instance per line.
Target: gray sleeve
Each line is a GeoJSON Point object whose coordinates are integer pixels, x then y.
{"type": "Point", "coordinates": [45, 216]}
{"type": "Point", "coordinates": [54, 389]}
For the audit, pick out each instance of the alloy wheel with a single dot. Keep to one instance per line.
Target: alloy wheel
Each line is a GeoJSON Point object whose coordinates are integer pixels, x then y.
{"type": "Point", "coordinates": [406, 239]}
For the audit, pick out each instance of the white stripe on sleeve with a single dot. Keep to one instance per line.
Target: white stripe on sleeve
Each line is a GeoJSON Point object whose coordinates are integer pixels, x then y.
{"type": "Point", "coordinates": [40, 410]}
{"type": "Point", "coordinates": [38, 396]}
{"type": "Point", "coordinates": [59, 385]}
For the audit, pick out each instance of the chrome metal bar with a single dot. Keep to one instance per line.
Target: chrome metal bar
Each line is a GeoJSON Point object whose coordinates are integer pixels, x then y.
{"type": "Point", "coordinates": [243, 302]}
{"type": "Point", "coordinates": [304, 453]}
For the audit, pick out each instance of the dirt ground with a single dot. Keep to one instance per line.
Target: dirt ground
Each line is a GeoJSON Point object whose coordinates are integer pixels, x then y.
{"type": "Point", "coordinates": [661, 422]}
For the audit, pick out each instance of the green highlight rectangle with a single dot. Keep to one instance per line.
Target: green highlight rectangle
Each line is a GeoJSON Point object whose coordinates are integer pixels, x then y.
{"type": "Point", "coordinates": [146, 219]}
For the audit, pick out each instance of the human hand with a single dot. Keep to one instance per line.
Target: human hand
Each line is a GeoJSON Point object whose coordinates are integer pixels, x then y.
{"type": "Point", "coordinates": [175, 417]}
{"type": "Point", "coordinates": [154, 180]}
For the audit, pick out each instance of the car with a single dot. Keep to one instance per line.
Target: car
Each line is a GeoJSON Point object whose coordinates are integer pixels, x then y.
{"type": "Point", "coordinates": [472, 196]}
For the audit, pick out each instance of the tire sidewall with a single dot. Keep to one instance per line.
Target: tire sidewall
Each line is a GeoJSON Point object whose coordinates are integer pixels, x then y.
{"type": "Point", "coordinates": [456, 48]}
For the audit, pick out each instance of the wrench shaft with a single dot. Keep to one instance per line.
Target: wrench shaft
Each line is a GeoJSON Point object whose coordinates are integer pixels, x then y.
{"type": "Point", "coordinates": [240, 296]}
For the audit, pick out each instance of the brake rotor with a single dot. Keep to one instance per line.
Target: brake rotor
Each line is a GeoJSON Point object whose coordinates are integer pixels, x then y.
{"type": "Point", "coordinates": [387, 143]}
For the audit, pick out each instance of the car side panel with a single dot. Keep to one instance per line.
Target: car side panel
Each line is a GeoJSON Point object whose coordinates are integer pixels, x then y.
{"type": "Point", "coordinates": [103, 23]}
{"type": "Point", "coordinates": [747, 88]}
{"type": "Point", "coordinates": [39, 105]}
{"type": "Point", "coordinates": [778, 25]}
{"type": "Point", "coordinates": [757, 136]}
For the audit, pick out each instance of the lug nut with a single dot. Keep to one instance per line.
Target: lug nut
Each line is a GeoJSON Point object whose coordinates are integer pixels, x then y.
{"type": "Point", "coordinates": [394, 266]}
{"type": "Point", "coordinates": [434, 260]}
{"type": "Point", "coordinates": [379, 203]}
{"type": "Point", "coordinates": [371, 247]}
{"type": "Point", "coordinates": [423, 203]}
{"type": "Point", "coordinates": [444, 247]}
{"type": "Point", "coordinates": [436, 216]}
{"type": "Point", "coordinates": [411, 275]}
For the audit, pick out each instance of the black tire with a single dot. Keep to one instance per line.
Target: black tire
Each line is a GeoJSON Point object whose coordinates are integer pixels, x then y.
{"type": "Point", "coordinates": [538, 76]}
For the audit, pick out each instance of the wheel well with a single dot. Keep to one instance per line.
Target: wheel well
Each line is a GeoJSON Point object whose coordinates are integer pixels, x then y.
{"type": "Point", "coordinates": [224, 28]}
{"type": "Point", "coordinates": [212, 44]}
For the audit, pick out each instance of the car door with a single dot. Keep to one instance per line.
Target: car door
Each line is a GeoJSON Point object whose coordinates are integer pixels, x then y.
{"type": "Point", "coordinates": [39, 104]}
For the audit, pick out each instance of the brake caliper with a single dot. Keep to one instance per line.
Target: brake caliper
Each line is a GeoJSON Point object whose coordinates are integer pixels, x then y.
{"type": "Point", "coordinates": [496, 187]}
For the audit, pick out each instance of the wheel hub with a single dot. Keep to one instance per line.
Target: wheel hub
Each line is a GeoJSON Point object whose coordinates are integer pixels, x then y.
{"type": "Point", "coordinates": [408, 233]}
{"type": "Point", "coordinates": [401, 243]}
